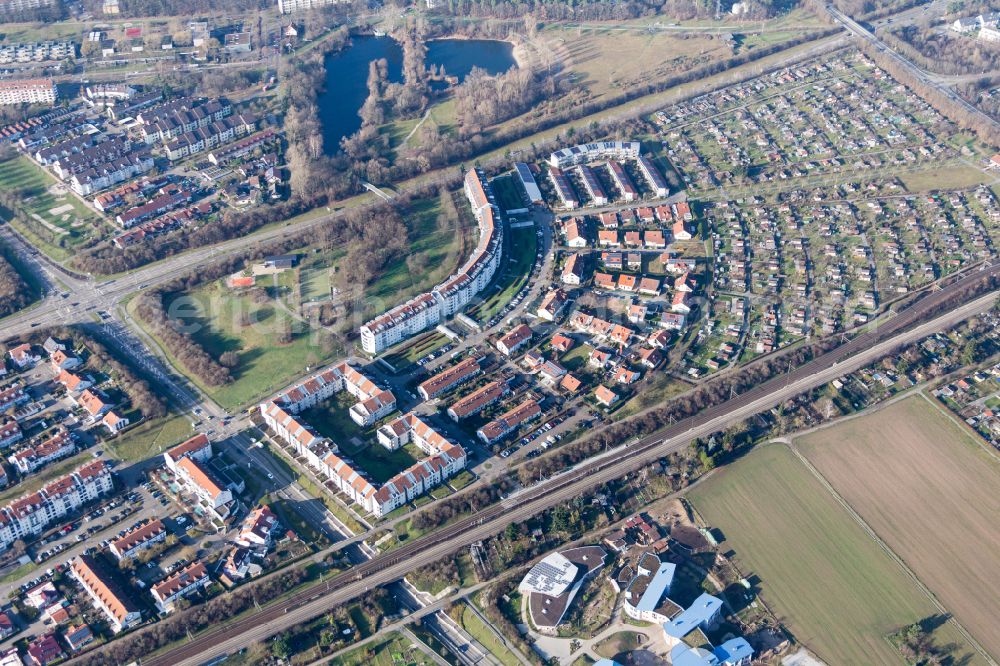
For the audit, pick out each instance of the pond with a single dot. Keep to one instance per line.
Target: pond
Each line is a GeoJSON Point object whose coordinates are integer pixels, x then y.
{"type": "Point", "coordinates": [347, 75]}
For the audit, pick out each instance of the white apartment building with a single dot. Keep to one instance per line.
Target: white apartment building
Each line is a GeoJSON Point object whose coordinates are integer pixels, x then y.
{"type": "Point", "coordinates": [448, 298]}
{"type": "Point", "coordinates": [28, 91]}
{"type": "Point", "coordinates": [589, 152]}
{"type": "Point", "coordinates": [30, 515]}
{"type": "Point", "coordinates": [292, 6]}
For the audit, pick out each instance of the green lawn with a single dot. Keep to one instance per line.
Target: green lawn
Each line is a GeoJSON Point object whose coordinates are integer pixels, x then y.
{"type": "Point", "coordinates": [521, 256]}
{"type": "Point", "coordinates": [508, 192]}
{"type": "Point", "coordinates": [473, 624]}
{"type": "Point", "coordinates": [953, 176]}
{"type": "Point", "coordinates": [406, 354]}
{"type": "Point", "coordinates": [54, 218]}
{"type": "Point", "coordinates": [461, 480]}
{"type": "Point", "coordinates": [150, 438]}
{"type": "Point", "coordinates": [438, 243]}
{"type": "Point", "coordinates": [381, 463]}
{"type": "Point", "coordinates": [831, 585]}
{"type": "Point", "coordinates": [332, 419]}
{"type": "Point", "coordinates": [266, 365]}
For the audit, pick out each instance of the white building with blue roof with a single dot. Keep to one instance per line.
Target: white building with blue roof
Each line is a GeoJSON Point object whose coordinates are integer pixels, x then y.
{"type": "Point", "coordinates": [645, 596]}
{"type": "Point", "coordinates": [702, 614]}
{"type": "Point", "coordinates": [734, 652]}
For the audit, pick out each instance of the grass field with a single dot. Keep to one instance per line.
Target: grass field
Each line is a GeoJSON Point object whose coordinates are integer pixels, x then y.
{"type": "Point", "coordinates": [151, 438]}
{"type": "Point", "coordinates": [952, 177]}
{"type": "Point", "coordinates": [439, 244]}
{"type": "Point", "coordinates": [607, 60]}
{"type": "Point", "coordinates": [478, 629]}
{"type": "Point", "coordinates": [56, 220]}
{"type": "Point", "coordinates": [265, 365]}
{"type": "Point", "coordinates": [828, 582]}
{"type": "Point", "coordinates": [932, 492]}
{"type": "Point", "coordinates": [523, 243]}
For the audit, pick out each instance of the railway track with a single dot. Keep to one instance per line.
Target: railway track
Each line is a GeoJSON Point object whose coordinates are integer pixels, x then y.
{"type": "Point", "coordinates": [569, 483]}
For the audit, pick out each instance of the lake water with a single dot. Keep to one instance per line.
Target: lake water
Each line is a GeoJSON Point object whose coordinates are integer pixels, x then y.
{"type": "Point", "coordinates": [347, 75]}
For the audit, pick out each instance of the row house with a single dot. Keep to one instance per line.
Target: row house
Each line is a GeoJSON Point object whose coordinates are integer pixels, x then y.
{"type": "Point", "coordinates": [478, 400]}
{"type": "Point", "coordinates": [92, 156]}
{"type": "Point", "coordinates": [13, 395]}
{"type": "Point", "coordinates": [112, 172]}
{"type": "Point", "coordinates": [138, 539]}
{"type": "Point", "coordinates": [210, 136]}
{"type": "Point", "coordinates": [10, 433]}
{"type": "Point", "coordinates": [447, 379]}
{"type": "Point", "coordinates": [152, 208]}
{"type": "Point", "coordinates": [107, 592]}
{"type": "Point", "coordinates": [238, 149]}
{"type": "Point", "coordinates": [181, 584]}
{"type": "Point", "coordinates": [51, 154]}
{"type": "Point", "coordinates": [499, 428]}
{"type": "Point", "coordinates": [180, 116]}
{"type": "Point", "coordinates": [161, 225]}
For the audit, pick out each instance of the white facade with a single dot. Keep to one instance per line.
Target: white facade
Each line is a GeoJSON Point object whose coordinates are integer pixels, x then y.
{"type": "Point", "coordinates": [588, 152]}
{"type": "Point", "coordinates": [427, 310]}
{"type": "Point", "coordinates": [28, 91]}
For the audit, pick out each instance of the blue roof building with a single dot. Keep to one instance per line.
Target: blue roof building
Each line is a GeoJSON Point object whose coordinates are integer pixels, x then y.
{"type": "Point", "coordinates": [646, 592]}
{"type": "Point", "coordinates": [684, 655]}
{"type": "Point", "coordinates": [702, 613]}
{"type": "Point", "coordinates": [734, 652]}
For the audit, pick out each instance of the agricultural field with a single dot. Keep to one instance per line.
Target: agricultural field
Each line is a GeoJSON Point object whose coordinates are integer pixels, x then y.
{"type": "Point", "coordinates": [931, 491]}
{"type": "Point", "coordinates": [824, 577]}
{"type": "Point", "coordinates": [51, 216]}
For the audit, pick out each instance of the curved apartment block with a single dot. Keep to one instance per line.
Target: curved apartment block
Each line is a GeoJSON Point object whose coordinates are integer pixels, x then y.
{"type": "Point", "coordinates": [428, 309]}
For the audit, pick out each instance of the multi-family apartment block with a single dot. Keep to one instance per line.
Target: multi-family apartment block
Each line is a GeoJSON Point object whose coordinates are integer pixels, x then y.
{"type": "Point", "coordinates": [449, 297]}
{"type": "Point", "coordinates": [28, 91]}
{"type": "Point", "coordinates": [29, 515]}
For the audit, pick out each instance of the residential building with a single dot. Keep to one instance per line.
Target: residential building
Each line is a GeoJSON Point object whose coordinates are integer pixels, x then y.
{"type": "Point", "coordinates": [552, 304]}
{"type": "Point", "coordinates": [623, 181]}
{"type": "Point", "coordinates": [28, 91]}
{"type": "Point", "coordinates": [653, 176]}
{"type": "Point", "coordinates": [564, 189]}
{"type": "Point", "coordinates": [183, 583]}
{"type": "Point", "coordinates": [292, 6]}
{"type": "Point", "coordinates": [200, 482]}
{"type": "Point", "coordinates": [605, 396]}
{"type": "Point", "coordinates": [44, 650]}
{"type": "Point", "coordinates": [138, 539]}
{"type": "Point", "coordinates": [258, 527]}
{"type": "Point", "coordinates": [595, 191]}
{"type": "Point", "coordinates": [10, 433]}
{"type": "Point", "coordinates": [572, 273]}
{"type": "Point", "coordinates": [514, 340]}
{"type": "Point", "coordinates": [703, 614]}
{"type": "Point", "coordinates": [106, 591]}
{"type": "Point", "coordinates": [590, 152]}
{"type": "Point", "coordinates": [478, 400]}
{"type": "Point", "coordinates": [645, 597]}
{"type": "Point", "coordinates": [55, 446]}
{"type": "Point", "coordinates": [23, 356]}
{"type": "Point", "coordinates": [13, 395]}
{"type": "Point", "coordinates": [499, 428]}
{"type": "Point", "coordinates": [29, 515]}
{"type": "Point", "coordinates": [449, 378]}
{"type": "Point", "coordinates": [78, 636]}
{"type": "Point", "coordinates": [457, 291]}
{"type": "Point", "coordinates": [197, 448]}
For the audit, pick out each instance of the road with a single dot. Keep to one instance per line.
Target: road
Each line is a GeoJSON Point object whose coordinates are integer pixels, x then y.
{"type": "Point", "coordinates": [862, 32]}
{"type": "Point", "coordinates": [862, 350]}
